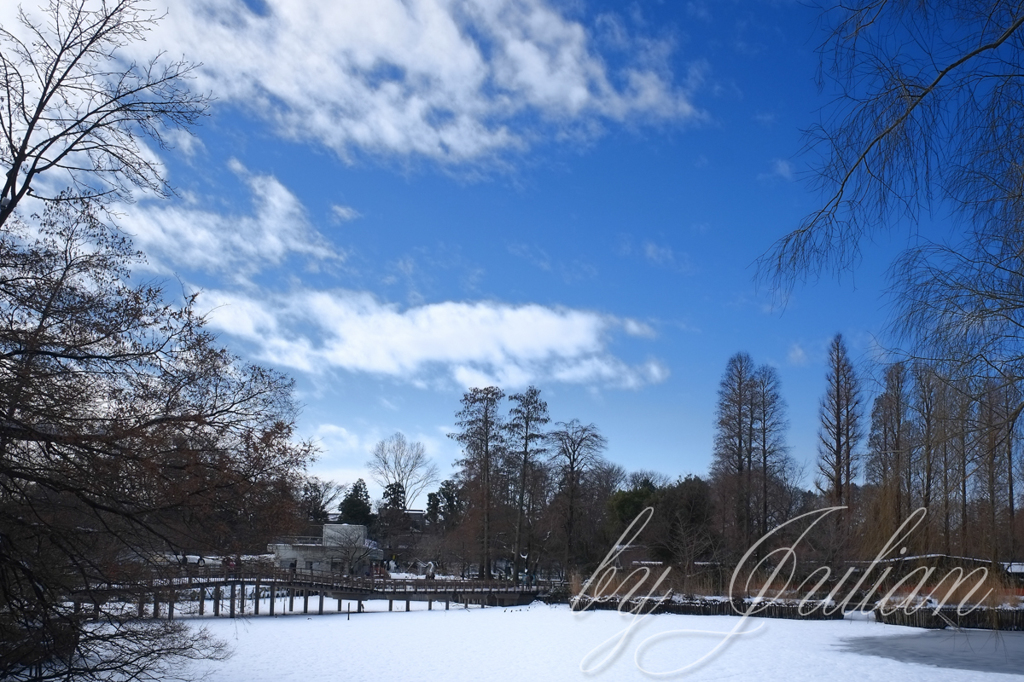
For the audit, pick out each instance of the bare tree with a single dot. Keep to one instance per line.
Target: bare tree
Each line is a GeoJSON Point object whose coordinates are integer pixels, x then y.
{"type": "Point", "coordinates": [483, 444]}
{"type": "Point", "coordinates": [926, 408]}
{"type": "Point", "coordinates": [396, 460]}
{"type": "Point", "coordinates": [735, 427]}
{"type": "Point", "coordinates": [961, 428]}
{"type": "Point", "coordinates": [927, 120]}
{"type": "Point", "coordinates": [769, 436]}
{"type": "Point", "coordinates": [910, 125]}
{"type": "Point", "coordinates": [74, 114]}
{"type": "Point", "coordinates": [578, 449]}
{"type": "Point", "coordinates": [841, 429]}
{"type": "Point", "coordinates": [889, 450]}
{"type": "Point", "coordinates": [124, 430]}
{"type": "Point", "coordinates": [118, 647]}
{"type": "Point", "coordinates": [646, 479]}
{"type": "Point", "coordinates": [320, 497]}
{"type": "Point", "coordinates": [526, 439]}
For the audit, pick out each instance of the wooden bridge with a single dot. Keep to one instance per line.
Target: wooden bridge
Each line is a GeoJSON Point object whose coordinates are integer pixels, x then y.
{"type": "Point", "coordinates": [240, 591]}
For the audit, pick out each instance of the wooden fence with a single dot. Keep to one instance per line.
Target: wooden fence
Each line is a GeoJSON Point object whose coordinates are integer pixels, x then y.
{"type": "Point", "coordinates": [982, 617]}
{"type": "Point", "coordinates": [712, 607]}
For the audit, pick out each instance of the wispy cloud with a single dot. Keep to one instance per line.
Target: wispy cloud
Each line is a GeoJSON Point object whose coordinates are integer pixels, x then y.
{"type": "Point", "coordinates": [469, 343]}
{"type": "Point", "coordinates": [455, 82]}
{"type": "Point", "coordinates": [780, 170]}
{"type": "Point", "coordinates": [797, 355]}
{"type": "Point", "coordinates": [660, 255]}
{"type": "Point", "coordinates": [532, 254]}
{"type": "Point", "coordinates": [698, 10]}
{"type": "Point", "coordinates": [571, 272]}
{"type": "Point", "coordinates": [344, 214]}
{"type": "Point", "coordinates": [663, 255]}
{"type": "Point", "coordinates": [345, 453]}
{"type": "Point", "coordinates": [181, 234]}
{"type": "Point", "coordinates": [635, 328]}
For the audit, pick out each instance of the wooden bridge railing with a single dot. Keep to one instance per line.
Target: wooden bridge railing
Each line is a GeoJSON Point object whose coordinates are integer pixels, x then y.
{"type": "Point", "coordinates": [197, 576]}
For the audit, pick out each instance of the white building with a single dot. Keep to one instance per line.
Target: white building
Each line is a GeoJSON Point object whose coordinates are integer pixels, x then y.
{"type": "Point", "coordinates": [343, 548]}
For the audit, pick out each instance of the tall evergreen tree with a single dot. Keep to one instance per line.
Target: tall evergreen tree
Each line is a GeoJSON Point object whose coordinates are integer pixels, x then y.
{"type": "Point", "coordinates": [355, 507]}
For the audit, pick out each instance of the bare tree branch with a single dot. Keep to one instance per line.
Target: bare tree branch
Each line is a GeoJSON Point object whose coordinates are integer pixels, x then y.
{"type": "Point", "coordinates": [67, 111]}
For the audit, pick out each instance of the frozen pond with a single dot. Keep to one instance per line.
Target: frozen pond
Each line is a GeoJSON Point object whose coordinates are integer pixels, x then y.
{"type": "Point", "coordinates": [540, 643]}
{"type": "Point", "coordinates": [976, 650]}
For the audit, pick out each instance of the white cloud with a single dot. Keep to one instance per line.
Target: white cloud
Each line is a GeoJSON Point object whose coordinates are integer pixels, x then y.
{"type": "Point", "coordinates": [224, 243]}
{"type": "Point", "coordinates": [345, 453]}
{"type": "Point", "coordinates": [698, 10]}
{"type": "Point", "coordinates": [344, 214]}
{"type": "Point", "coordinates": [185, 142]}
{"type": "Point", "coordinates": [597, 370]}
{"type": "Point", "coordinates": [635, 328]}
{"type": "Point", "coordinates": [470, 343]}
{"type": "Point", "coordinates": [659, 255]}
{"type": "Point", "coordinates": [344, 444]}
{"type": "Point", "coordinates": [780, 170]}
{"type": "Point", "coordinates": [532, 254]}
{"type": "Point", "coordinates": [453, 81]}
{"type": "Point", "coordinates": [666, 256]}
{"type": "Point", "coordinates": [797, 355]}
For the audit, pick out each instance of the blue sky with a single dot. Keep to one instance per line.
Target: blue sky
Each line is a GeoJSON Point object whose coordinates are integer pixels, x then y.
{"type": "Point", "coordinates": [393, 201]}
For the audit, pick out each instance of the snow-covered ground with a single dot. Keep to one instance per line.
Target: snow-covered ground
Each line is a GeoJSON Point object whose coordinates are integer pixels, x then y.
{"type": "Point", "coordinates": [539, 643]}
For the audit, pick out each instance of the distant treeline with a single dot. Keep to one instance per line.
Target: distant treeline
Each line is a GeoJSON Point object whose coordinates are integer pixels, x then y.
{"type": "Point", "coordinates": [534, 497]}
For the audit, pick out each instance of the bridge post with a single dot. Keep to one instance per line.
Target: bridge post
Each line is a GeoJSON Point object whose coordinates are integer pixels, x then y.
{"type": "Point", "coordinates": [305, 601]}
{"type": "Point", "coordinates": [430, 605]}
{"type": "Point", "coordinates": [216, 601]}
{"type": "Point", "coordinates": [241, 598]}
{"type": "Point", "coordinates": [445, 604]}
{"type": "Point", "coordinates": [407, 605]}
{"type": "Point", "coordinates": [321, 612]}
{"type": "Point", "coordinates": [231, 601]}
{"type": "Point", "coordinates": [273, 596]}
{"type": "Point", "coordinates": [390, 603]}
{"type": "Point", "coordinates": [256, 598]}
{"type": "Point", "coordinates": [202, 600]}
{"type": "Point", "coordinates": [291, 599]}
